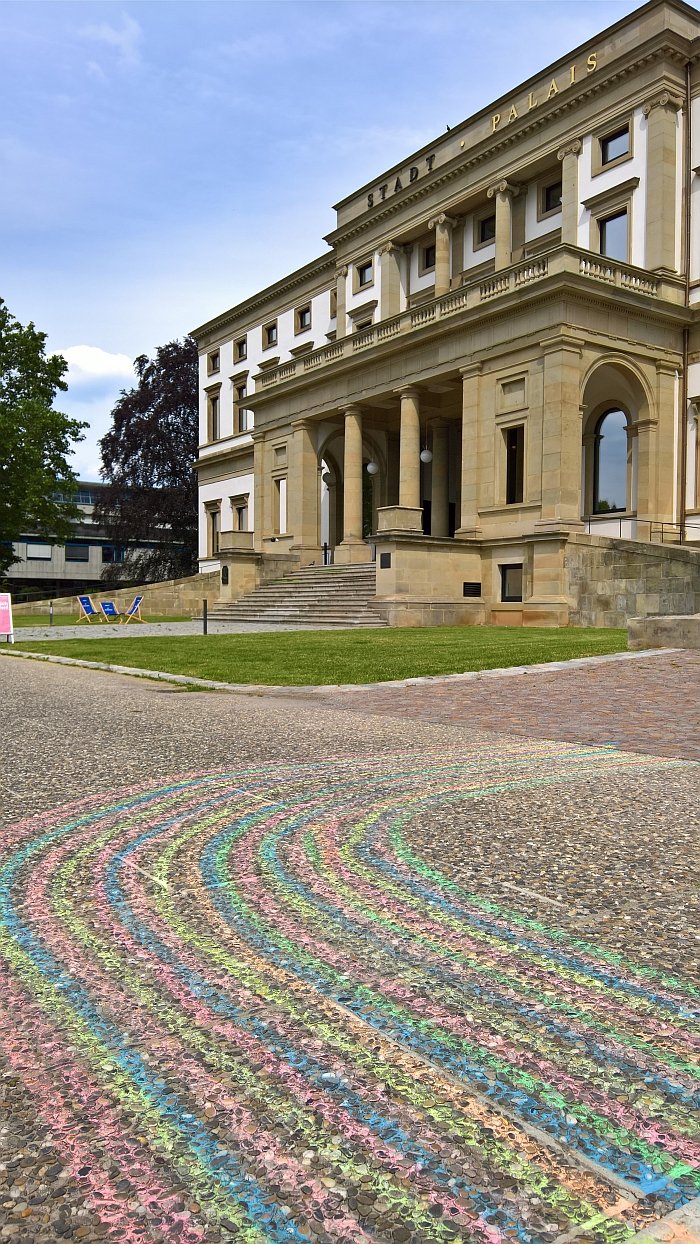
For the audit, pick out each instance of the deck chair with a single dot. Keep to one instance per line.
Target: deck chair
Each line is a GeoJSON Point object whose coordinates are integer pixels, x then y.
{"type": "Point", "coordinates": [109, 610]}
{"type": "Point", "coordinates": [87, 609]}
{"type": "Point", "coordinates": [134, 611]}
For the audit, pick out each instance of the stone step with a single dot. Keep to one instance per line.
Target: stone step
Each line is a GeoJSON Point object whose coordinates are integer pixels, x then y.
{"type": "Point", "coordinates": [323, 595]}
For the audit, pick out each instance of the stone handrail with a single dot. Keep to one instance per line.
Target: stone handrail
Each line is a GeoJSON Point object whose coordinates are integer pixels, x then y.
{"type": "Point", "coordinates": [560, 261]}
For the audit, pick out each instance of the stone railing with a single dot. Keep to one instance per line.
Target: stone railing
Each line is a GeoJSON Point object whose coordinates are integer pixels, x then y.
{"type": "Point", "coordinates": [563, 261]}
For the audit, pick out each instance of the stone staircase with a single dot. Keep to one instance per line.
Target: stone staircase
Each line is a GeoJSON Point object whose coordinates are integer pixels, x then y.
{"type": "Point", "coordinates": [315, 596]}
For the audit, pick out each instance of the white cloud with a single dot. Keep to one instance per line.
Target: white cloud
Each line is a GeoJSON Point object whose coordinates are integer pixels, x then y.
{"type": "Point", "coordinates": [89, 363]}
{"type": "Point", "coordinates": [125, 40]}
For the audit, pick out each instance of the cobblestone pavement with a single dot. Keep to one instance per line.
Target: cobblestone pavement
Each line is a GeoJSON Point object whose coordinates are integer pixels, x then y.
{"type": "Point", "coordinates": [273, 972]}
{"type": "Point", "coordinates": [646, 705]}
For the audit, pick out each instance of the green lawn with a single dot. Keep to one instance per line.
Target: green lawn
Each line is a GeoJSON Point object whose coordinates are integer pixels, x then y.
{"type": "Point", "coordinates": [297, 658]}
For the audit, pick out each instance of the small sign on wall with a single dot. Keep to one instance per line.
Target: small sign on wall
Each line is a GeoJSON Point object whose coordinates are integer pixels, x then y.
{"type": "Point", "coordinates": [6, 617]}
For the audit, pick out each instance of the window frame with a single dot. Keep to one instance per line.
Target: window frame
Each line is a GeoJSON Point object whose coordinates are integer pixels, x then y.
{"type": "Point", "coordinates": [76, 544]}
{"type": "Point", "coordinates": [486, 213]}
{"type": "Point", "coordinates": [423, 265]}
{"type": "Point", "coordinates": [271, 327]}
{"type": "Point", "coordinates": [213, 395]}
{"type": "Point", "coordinates": [602, 221]}
{"type": "Point", "coordinates": [518, 480]}
{"type": "Point", "coordinates": [357, 283]}
{"type": "Point", "coordinates": [240, 349]}
{"type": "Point", "coordinates": [39, 557]}
{"type": "Point", "coordinates": [214, 362]}
{"type": "Point", "coordinates": [543, 185]}
{"type": "Point", "coordinates": [299, 327]}
{"type": "Point", "coordinates": [504, 568]}
{"type": "Point", "coordinates": [604, 134]}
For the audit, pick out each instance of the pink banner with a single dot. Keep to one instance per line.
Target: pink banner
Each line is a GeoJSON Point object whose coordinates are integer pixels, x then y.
{"type": "Point", "coordinates": [5, 614]}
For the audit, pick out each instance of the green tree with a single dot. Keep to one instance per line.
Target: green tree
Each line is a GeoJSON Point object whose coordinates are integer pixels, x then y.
{"type": "Point", "coordinates": [35, 439]}
{"type": "Point", "coordinates": [147, 459]}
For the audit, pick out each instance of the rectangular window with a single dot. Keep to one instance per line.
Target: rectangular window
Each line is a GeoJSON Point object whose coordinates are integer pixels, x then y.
{"type": "Point", "coordinates": [240, 515]}
{"type": "Point", "coordinates": [270, 334]}
{"type": "Point", "coordinates": [485, 232]}
{"type": "Point", "coordinates": [37, 552]}
{"type": "Point", "coordinates": [241, 349]}
{"type": "Point", "coordinates": [362, 325]}
{"type": "Point", "coordinates": [615, 146]}
{"type": "Point", "coordinates": [511, 584]}
{"type": "Point", "coordinates": [213, 428]}
{"type": "Point", "coordinates": [214, 528]}
{"type": "Point", "coordinates": [243, 415]}
{"type": "Point", "coordinates": [112, 553]}
{"type": "Point", "coordinates": [613, 236]}
{"type": "Point", "coordinates": [515, 462]}
{"type": "Point", "coordinates": [427, 258]}
{"type": "Point", "coordinates": [303, 318]}
{"type": "Point", "coordinates": [77, 552]}
{"type": "Point", "coordinates": [364, 273]}
{"type": "Point", "coordinates": [213, 362]}
{"type": "Point", "coordinates": [551, 198]}
{"type": "Point", "coordinates": [281, 506]}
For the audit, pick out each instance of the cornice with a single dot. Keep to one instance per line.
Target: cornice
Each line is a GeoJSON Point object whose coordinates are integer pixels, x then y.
{"type": "Point", "coordinates": [243, 310]}
{"type": "Point", "coordinates": [673, 47]}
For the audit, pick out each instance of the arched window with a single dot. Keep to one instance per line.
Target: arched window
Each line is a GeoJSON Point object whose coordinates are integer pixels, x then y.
{"type": "Point", "coordinates": [610, 463]}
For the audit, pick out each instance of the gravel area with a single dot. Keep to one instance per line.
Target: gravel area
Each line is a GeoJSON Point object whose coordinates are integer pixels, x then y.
{"type": "Point", "coordinates": [116, 630]}
{"type": "Point", "coordinates": [273, 971]}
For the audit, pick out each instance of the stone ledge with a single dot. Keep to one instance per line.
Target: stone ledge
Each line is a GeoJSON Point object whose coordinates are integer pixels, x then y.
{"type": "Point", "coordinates": [672, 631]}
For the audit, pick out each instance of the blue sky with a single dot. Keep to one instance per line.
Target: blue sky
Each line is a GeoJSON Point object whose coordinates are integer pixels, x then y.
{"type": "Point", "coordinates": [161, 161]}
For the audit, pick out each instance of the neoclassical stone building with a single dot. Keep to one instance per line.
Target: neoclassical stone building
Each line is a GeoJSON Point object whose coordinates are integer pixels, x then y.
{"type": "Point", "coordinates": [493, 373]}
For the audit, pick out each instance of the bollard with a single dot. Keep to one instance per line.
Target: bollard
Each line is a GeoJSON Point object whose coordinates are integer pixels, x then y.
{"type": "Point", "coordinates": [204, 617]}
{"type": "Point", "coordinates": [50, 613]}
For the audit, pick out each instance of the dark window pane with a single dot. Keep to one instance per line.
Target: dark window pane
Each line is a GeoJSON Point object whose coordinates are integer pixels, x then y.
{"type": "Point", "coordinates": [487, 229]}
{"type": "Point", "coordinates": [552, 197]}
{"type": "Point", "coordinates": [515, 461]}
{"type": "Point", "coordinates": [428, 257]}
{"type": "Point", "coordinates": [77, 552]}
{"type": "Point", "coordinates": [613, 236]}
{"type": "Point", "coordinates": [610, 463]}
{"type": "Point", "coordinates": [511, 583]}
{"type": "Point", "coordinates": [615, 145]}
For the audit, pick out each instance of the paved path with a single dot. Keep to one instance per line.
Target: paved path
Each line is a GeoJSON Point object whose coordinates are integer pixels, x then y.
{"type": "Point", "coordinates": [276, 972]}
{"type": "Point", "coordinates": [649, 704]}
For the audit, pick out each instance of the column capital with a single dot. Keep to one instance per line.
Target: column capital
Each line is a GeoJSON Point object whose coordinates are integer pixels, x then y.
{"type": "Point", "coordinates": [574, 148]}
{"type": "Point", "coordinates": [472, 369]}
{"type": "Point", "coordinates": [665, 99]}
{"type": "Point", "coordinates": [342, 271]}
{"type": "Point", "coordinates": [562, 341]}
{"type": "Point", "coordinates": [353, 409]}
{"type": "Point", "coordinates": [666, 367]}
{"type": "Point", "coordinates": [502, 187]}
{"type": "Point", "coordinates": [442, 219]}
{"type": "Point", "coordinates": [391, 248]}
{"type": "Point", "coordinates": [407, 390]}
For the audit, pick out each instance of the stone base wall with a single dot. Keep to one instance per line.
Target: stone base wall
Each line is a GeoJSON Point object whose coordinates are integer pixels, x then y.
{"type": "Point", "coordinates": [672, 632]}
{"type": "Point", "coordinates": [415, 612]}
{"type": "Point", "coordinates": [172, 596]}
{"type": "Point", "coordinates": [611, 581]}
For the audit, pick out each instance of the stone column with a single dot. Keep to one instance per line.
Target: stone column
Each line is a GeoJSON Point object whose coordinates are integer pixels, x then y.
{"type": "Point", "coordinates": [469, 499]}
{"type": "Point", "coordinates": [353, 547]}
{"type": "Point", "coordinates": [562, 432]}
{"type": "Point", "coordinates": [660, 251]}
{"type": "Point", "coordinates": [258, 489]}
{"type": "Point", "coordinates": [504, 193]}
{"type": "Point", "coordinates": [439, 497]}
{"type": "Point", "coordinates": [341, 302]}
{"type": "Point", "coordinates": [389, 280]}
{"type": "Point", "coordinates": [570, 206]}
{"type": "Point", "coordinates": [667, 441]}
{"type": "Point", "coordinates": [304, 491]}
{"type": "Point", "coordinates": [409, 450]}
{"type": "Point", "coordinates": [442, 225]}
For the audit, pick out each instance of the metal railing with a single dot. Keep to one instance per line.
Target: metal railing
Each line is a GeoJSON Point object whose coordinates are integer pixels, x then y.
{"type": "Point", "coordinates": [647, 530]}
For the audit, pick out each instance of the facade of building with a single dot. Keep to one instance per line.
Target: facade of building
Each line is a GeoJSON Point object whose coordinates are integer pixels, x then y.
{"type": "Point", "coordinates": [497, 361]}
